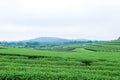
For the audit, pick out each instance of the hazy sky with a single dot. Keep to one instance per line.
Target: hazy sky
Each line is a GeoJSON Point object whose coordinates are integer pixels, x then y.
{"type": "Point", "coordinates": [82, 19]}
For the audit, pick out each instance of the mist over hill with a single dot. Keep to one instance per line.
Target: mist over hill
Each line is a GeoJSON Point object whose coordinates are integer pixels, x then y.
{"type": "Point", "coordinates": [48, 40]}
{"type": "Point", "coordinates": [45, 42]}
{"type": "Point", "coordinates": [118, 38]}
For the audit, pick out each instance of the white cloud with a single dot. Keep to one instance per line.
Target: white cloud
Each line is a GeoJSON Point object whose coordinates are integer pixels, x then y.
{"type": "Point", "coordinates": [14, 32]}
{"type": "Point", "coordinates": [92, 19]}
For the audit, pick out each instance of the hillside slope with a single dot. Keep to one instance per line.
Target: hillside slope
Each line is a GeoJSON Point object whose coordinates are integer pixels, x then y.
{"type": "Point", "coordinates": [108, 46]}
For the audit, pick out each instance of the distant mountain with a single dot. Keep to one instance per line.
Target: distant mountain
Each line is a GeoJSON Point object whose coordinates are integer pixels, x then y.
{"type": "Point", "coordinates": [80, 40]}
{"type": "Point", "coordinates": [45, 42]}
{"type": "Point", "coordinates": [48, 40]}
{"type": "Point", "coordinates": [54, 40]}
{"type": "Point", "coordinates": [119, 38]}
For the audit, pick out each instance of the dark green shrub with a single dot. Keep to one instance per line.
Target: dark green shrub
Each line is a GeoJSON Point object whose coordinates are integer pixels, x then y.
{"type": "Point", "coordinates": [87, 62]}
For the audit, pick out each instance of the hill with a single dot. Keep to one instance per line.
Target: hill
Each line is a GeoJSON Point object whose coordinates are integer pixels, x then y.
{"type": "Point", "coordinates": [45, 42]}
{"type": "Point", "coordinates": [96, 61]}
{"type": "Point", "coordinates": [48, 40]}
{"type": "Point", "coordinates": [107, 46]}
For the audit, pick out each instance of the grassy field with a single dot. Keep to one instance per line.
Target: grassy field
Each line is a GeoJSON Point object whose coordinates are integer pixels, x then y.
{"type": "Point", "coordinates": [90, 62]}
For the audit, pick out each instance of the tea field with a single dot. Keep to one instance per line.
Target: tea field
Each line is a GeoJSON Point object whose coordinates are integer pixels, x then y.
{"type": "Point", "coordinates": [99, 61]}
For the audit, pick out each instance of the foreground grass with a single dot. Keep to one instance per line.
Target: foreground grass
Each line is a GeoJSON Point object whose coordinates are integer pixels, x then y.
{"type": "Point", "coordinates": [80, 64]}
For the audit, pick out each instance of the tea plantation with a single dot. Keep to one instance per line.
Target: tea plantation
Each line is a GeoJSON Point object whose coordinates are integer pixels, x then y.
{"type": "Point", "coordinates": [99, 61]}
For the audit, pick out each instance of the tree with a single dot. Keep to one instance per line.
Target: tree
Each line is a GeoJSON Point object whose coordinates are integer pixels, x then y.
{"type": "Point", "coordinates": [119, 38]}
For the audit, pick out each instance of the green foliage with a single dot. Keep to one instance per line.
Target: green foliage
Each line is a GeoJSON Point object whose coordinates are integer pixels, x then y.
{"type": "Point", "coordinates": [111, 46]}
{"type": "Point", "coordinates": [99, 61]}
{"type": "Point", "coordinates": [87, 62]}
